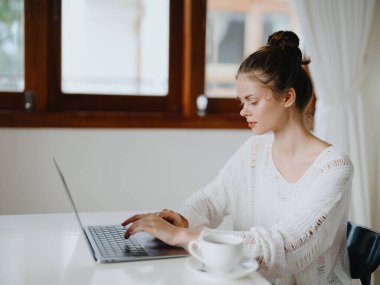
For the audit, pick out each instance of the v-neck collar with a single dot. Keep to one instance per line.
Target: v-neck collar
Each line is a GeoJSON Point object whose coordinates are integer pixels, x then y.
{"type": "Point", "coordinates": [278, 173]}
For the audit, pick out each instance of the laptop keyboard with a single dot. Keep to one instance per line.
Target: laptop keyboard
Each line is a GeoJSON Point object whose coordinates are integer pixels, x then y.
{"type": "Point", "coordinates": [111, 242]}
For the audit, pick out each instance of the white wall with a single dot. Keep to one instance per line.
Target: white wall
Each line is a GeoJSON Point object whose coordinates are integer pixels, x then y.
{"type": "Point", "coordinates": [108, 169]}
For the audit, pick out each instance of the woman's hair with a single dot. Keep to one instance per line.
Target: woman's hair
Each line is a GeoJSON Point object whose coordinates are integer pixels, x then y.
{"type": "Point", "coordinates": [278, 65]}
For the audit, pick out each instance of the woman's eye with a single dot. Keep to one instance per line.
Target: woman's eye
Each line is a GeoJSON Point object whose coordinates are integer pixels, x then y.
{"type": "Point", "coordinates": [253, 103]}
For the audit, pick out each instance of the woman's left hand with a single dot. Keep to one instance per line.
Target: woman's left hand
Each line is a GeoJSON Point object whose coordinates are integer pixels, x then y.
{"type": "Point", "coordinates": [156, 226]}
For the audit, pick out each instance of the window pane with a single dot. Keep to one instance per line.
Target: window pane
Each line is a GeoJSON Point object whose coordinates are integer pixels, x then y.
{"type": "Point", "coordinates": [115, 47]}
{"type": "Point", "coordinates": [225, 37]}
{"type": "Point", "coordinates": [12, 45]}
{"type": "Point", "coordinates": [274, 22]}
{"type": "Point", "coordinates": [234, 31]}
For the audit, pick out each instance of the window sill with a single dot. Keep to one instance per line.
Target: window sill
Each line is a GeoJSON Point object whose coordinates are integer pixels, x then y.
{"type": "Point", "coordinates": [118, 120]}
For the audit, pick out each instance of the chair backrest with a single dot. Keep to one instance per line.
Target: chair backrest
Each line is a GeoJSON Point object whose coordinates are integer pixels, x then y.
{"type": "Point", "coordinates": [363, 250]}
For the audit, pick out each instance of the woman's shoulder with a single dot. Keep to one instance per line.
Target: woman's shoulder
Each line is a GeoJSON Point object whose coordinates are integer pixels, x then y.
{"type": "Point", "coordinates": [334, 158]}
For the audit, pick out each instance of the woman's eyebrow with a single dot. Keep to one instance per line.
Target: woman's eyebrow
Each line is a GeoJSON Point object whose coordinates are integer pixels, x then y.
{"type": "Point", "coordinates": [247, 97]}
{"type": "Point", "coordinates": [250, 96]}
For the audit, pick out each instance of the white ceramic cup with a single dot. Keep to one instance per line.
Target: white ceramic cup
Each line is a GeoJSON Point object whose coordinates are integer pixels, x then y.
{"type": "Point", "coordinates": [220, 253]}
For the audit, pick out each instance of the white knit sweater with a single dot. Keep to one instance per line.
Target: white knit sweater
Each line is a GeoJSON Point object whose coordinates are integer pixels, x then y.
{"type": "Point", "coordinates": [297, 231]}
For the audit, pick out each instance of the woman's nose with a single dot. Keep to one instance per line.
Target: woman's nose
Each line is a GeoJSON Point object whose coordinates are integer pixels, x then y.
{"type": "Point", "coordinates": [243, 111]}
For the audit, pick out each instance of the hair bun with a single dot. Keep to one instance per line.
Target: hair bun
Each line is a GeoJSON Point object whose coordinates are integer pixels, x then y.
{"type": "Point", "coordinates": [283, 39]}
{"type": "Point", "coordinates": [289, 43]}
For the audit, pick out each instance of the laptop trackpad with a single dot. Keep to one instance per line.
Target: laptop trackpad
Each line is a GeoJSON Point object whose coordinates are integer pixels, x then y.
{"type": "Point", "coordinates": [155, 243]}
{"type": "Point", "coordinates": [155, 246]}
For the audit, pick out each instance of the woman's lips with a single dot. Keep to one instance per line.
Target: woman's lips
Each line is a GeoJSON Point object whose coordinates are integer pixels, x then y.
{"type": "Point", "coordinates": [252, 124]}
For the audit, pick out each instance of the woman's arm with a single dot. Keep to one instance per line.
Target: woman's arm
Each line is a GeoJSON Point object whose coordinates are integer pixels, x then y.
{"type": "Point", "coordinates": [209, 206]}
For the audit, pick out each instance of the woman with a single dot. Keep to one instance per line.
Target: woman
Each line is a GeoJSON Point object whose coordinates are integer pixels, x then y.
{"type": "Point", "coordinates": [287, 191]}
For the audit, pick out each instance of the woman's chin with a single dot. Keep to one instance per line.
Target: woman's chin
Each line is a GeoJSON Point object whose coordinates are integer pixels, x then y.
{"type": "Point", "coordinates": [256, 131]}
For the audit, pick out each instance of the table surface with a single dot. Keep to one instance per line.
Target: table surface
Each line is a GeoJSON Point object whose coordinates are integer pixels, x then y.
{"type": "Point", "coordinates": [51, 249]}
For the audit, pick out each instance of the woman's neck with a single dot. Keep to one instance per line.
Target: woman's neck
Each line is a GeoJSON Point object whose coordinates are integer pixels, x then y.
{"type": "Point", "coordinates": [293, 137]}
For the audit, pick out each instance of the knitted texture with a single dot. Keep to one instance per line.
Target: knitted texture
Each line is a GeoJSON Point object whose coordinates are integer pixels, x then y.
{"type": "Point", "coordinates": [296, 231]}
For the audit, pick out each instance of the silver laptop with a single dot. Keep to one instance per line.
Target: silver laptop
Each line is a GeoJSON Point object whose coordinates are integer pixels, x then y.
{"type": "Point", "coordinates": [108, 244]}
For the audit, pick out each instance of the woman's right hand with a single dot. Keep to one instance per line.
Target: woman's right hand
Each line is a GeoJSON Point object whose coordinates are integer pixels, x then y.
{"type": "Point", "coordinates": [168, 226]}
{"type": "Point", "coordinates": [174, 218]}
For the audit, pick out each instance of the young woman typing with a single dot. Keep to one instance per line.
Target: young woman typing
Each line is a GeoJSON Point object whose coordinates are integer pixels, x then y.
{"type": "Point", "coordinates": [288, 192]}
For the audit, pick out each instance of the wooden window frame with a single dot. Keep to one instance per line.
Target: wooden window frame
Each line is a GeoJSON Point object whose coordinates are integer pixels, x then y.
{"type": "Point", "coordinates": [130, 103]}
{"type": "Point", "coordinates": [51, 108]}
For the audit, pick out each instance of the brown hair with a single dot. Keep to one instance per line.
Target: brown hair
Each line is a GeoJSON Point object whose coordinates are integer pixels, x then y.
{"type": "Point", "coordinates": [279, 66]}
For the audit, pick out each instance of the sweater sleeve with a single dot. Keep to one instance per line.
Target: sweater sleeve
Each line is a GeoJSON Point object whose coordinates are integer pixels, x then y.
{"type": "Point", "coordinates": [309, 229]}
{"type": "Point", "coordinates": [208, 206]}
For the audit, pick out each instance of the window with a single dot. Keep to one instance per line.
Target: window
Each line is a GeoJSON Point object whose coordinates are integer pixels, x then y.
{"type": "Point", "coordinates": [128, 63]}
{"type": "Point", "coordinates": [12, 79]}
{"type": "Point", "coordinates": [224, 51]}
{"type": "Point", "coordinates": [107, 47]}
{"type": "Point", "coordinates": [12, 46]}
{"type": "Point", "coordinates": [235, 29]}
{"type": "Point", "coordinates": [108, 57]}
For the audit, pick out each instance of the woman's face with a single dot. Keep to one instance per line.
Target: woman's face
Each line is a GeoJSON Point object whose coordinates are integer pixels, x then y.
{"type": "Point", "coordinates": [260, 108]}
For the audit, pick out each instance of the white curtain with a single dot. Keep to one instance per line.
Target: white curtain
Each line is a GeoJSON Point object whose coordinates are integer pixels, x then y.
{"type": "Point", "coordinates": [335, 34]}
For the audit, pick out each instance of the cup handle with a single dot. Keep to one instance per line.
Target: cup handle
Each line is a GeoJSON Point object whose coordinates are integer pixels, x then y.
{"type": "Point", "coordinates": [195, 252]}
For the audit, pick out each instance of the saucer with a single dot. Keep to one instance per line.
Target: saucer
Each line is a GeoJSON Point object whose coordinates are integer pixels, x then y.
{"type": "Point", "coordinates": [243, 269]}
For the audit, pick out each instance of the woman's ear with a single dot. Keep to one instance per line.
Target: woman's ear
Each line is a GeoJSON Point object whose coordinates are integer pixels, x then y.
{"type": "Point", "coordinates": [289, 98]}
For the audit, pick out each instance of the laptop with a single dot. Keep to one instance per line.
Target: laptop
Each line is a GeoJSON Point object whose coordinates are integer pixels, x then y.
{"type": "Point", "coordinates": [108, 244]}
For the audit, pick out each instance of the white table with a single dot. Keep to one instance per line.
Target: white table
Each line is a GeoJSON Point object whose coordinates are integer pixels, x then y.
{"type": "Point", "coordinates": [51, 249]}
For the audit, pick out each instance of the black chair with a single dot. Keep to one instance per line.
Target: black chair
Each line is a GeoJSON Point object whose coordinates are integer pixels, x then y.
{"type": "Point", "coordinates": [364, 252]}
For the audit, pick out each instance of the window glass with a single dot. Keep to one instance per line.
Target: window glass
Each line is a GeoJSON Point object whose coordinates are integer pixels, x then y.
{"type": "Point", "coordinates": [115, 47]}
{"type": "Point", "coordinates": [234, 30]}
{"type": "Point", "coordinates": [225, 37]}
{"type": "Point", "coordinates": [224, 49]}
{"type": "Point", "coordinates": [274, 22]}
{"type": "Point", "coordinates": [11, 45]}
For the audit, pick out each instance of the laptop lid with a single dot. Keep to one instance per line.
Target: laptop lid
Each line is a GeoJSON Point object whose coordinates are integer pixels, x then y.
{"type": "Point", "coordinates": [155, 248]}
{"type": "Point", "coordinates": [68, 193]}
